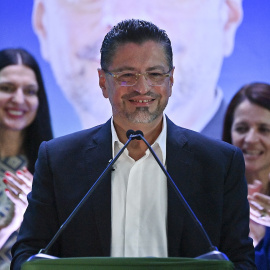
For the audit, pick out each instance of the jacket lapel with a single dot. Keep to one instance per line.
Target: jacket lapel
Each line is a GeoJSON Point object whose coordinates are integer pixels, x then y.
{"type": "Point", "coordinates": [98, 154]}
{"type": "Point", "coordinates": [179, 162]}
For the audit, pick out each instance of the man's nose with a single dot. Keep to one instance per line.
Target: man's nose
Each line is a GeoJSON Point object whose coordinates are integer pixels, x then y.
{"type": "Point", "coordinates": [141, 86]}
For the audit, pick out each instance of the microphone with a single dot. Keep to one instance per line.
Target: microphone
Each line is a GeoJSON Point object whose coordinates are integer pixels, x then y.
{"type": "Point", "coordinates": [214, 253]}
{"type": "Point", "coordinates": [42, 254]}
{"type": "Point", "coordinates": [134, 134]}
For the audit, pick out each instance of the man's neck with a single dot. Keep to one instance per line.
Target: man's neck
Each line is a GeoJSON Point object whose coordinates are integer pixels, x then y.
{"type": "Point", "coordinates": [151, 132]}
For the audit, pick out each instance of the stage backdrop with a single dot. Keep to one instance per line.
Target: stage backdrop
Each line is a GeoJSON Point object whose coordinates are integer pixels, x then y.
{"type": "Point", "coordinates": [75, 99]}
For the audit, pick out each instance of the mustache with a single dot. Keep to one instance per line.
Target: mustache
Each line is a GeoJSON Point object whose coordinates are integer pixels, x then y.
{"type": "Point", "coordinates": [136, 94]}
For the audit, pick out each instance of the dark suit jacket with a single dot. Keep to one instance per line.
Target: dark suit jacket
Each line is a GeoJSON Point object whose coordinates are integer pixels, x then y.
{"type": "Point", "coordinates": [210, 175]}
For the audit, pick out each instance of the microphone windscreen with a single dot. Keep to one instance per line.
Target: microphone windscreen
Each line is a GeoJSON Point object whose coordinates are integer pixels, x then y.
{"type": "Point", "coordinates": [130, 132]}
{"type": "Point", "coordinates": [138, 132]}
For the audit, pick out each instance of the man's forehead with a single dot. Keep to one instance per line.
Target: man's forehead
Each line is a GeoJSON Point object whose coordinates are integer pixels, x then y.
{"type": "Point", "coordinates": [130, 47]}
{"type": "Point", "coordinates": [142, 4]}
{"type": "Point", "coordinates": [140, 52]}
{"type": "Point", "coordinates": [82, 1]}
{"type": "Point", "coordinates": [75, 6]}
{"type": "Point", "coordinates": [79, 2]}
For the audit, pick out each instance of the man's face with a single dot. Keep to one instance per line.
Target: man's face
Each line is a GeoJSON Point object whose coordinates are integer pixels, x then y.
{"type": "Point", "coordinates": [71, 32]}
{"type": "Point", "coordinates": [142, 102]}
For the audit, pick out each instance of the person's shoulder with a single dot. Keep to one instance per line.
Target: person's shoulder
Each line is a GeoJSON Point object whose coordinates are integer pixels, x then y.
{"type": "Point", "coordinates": [196, 141]}
{"type": "Point", "coordinates": [212, 151]}
{"type": "Point", "coordinates": [79, 137]}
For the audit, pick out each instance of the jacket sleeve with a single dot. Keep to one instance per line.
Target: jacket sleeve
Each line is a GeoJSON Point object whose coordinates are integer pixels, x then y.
{"type": "Point", "coordinates": [235, 226]}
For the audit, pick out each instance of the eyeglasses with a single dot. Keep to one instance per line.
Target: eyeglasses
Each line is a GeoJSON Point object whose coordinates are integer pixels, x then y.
{"type": "Point", "coordinates": [128, 78]}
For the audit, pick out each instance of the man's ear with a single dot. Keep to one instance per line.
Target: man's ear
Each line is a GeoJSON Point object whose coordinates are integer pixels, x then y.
{"type": "Point", "coordinates": [102, 83]}
{"type": "Point", "coordinates": [171, 80]}
{"type": "Point", "coordinates": [233, 15]}
{"type": "Point", "coordinates": [38, 24]}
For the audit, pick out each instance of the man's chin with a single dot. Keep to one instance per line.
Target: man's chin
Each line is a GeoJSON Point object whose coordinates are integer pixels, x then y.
{"type": "Point", "coordinates": [142, 117]}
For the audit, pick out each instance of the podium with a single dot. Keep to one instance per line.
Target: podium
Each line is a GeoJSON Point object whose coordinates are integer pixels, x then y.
{"type": "Point", "coordinates": [112, 263]}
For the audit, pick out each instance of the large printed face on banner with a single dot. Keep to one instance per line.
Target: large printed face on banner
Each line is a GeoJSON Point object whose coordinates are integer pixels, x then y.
{"type": "Point", "coordinates": [202, 34]}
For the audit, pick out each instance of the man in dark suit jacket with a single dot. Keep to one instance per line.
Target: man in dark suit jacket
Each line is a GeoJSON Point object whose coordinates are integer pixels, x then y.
{"type": "Point", "coordinates": [137, 77]}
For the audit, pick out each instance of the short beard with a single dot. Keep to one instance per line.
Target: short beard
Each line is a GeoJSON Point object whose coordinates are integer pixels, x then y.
{"type": "Point", "coordinates": [143, 116]}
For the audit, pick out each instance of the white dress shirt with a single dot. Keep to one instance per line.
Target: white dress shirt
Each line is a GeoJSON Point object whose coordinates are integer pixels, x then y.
{"type": "Point", "coordinates": [139, 202]}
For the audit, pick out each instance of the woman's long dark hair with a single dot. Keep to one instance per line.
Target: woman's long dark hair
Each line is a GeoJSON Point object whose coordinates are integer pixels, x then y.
{"type": "Point", "coordinates": [257, 93]}
{"type": "Point", "coordinates": [40, 129]}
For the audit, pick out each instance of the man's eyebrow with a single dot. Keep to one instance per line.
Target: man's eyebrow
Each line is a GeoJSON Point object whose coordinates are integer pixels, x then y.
{"type": "Point", "coordinates": [124, 68]}
{"type": "Point", "coordinates": [159, 67]}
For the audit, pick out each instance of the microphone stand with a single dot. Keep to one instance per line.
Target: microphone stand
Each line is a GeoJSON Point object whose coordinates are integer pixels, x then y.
{"type": "Point", "coordinates": [131, 135]}
{"type": "Point", "coordinates": [214, 254]}
{"type": "Point", "coordinates": [42, 254]}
